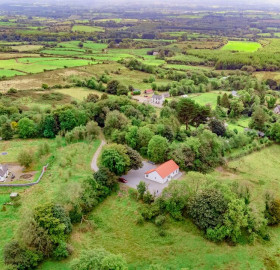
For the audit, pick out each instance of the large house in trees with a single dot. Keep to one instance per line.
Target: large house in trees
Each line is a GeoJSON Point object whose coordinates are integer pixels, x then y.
{"type": "Point", "coordinates": [165, 172]}
{"type": "Point", "coordinates": [158, 99]}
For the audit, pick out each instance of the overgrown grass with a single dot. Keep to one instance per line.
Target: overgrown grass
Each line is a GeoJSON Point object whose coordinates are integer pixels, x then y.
{"type": "Point", "coordinates": [71, 164]}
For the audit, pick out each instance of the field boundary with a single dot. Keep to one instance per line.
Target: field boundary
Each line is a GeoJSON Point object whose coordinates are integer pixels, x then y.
{"type": "Point", "coordinates": [28, 184]}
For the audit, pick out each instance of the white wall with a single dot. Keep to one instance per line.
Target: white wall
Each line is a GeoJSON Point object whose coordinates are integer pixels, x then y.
{"type": "Point", "coordinates": [154, 176]}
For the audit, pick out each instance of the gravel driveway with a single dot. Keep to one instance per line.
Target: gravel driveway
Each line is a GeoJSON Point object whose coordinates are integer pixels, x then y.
{"type": "Point", "coordinates": [133, 178]}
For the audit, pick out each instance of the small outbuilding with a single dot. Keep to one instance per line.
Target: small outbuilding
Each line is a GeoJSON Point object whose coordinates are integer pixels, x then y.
{"type": "Point", "coordinates": [165, 172]}
{"type": "Point", "coordinates": [149, 91]}
{"type": "Point", "coordinates": [234, 94]}
{"type": "Point", "coordinates": [277, 109]}
{"type": "Point", "coordinates": [14, 195]}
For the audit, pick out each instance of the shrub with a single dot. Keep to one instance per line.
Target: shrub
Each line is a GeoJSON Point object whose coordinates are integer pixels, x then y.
{"type": "Point", "coordinates": [272, 210]}
{"type": "Point", "coordinates": [26, 128]}
{"type": "Point", "coordinates": [150, 211]}
{"type": "Point", "coordinates": [141, 188]}
{"type": "Point", "coordinates": [61, 251]}
{"type": "Point", "coordinates": [99, 259]}
{"type": "Point", "coordinates": [113, 261]}
{"type": "Point", "coordinates": [140, 220]}
{"type": "Point", "coordinates": [6, 131]}
{"type": "Point", "coordinates": [148, 197]}
{"type": "Point", "coordinates": [207, 208]}
{"type": "Point", "coordinates": [25, 158]}
{"type": "Point", "coordinates": [160, 220]}
{"type": "Point", "coordinates": [20, 257]}
{"type": "Point", "coordinates": [45, 86]}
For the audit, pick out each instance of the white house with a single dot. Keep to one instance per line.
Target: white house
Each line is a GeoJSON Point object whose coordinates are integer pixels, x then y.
{"type": "Point", "coordinates": [234, 94]}
{"type": "Point", "coordinates": [4, 172]}
{"type": "Point", "coordinates": [165, 172]}
{"type": "Point", "coordinates": [157, 99]}
{"type": "Point", "coordinates": [277, 109]}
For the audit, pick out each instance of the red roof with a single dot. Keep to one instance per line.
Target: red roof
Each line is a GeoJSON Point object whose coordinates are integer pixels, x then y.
{"type": "Point", "coordinates": [149, 91]}
{"type": "Point", "coordinates": [165, 169]}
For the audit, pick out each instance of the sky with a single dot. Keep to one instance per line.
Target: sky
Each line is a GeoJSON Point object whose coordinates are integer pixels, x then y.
{"type": "Point", "coordinates": [204, 3]}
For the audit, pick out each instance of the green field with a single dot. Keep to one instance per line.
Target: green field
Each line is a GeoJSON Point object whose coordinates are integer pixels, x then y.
{"type": "Point", "coordinates": [206, 98]}
{"type": "Point", "coordinates": [9, 73]}
{"type": "Point", "coordinates": [37, 64]}
{"type": "Point", "coordinates": [78, 93]}
{"type": "Point", "coordinates": [242, 46]}
{"type": "Point", "coordinates": [185, 67]}
{"type": "Point", "coordinates": [87, 28]}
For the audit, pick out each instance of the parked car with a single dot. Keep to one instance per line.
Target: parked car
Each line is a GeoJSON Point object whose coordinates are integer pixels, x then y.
{"type": "Point", "coordinates": [122, 180]}
{"type": "Point", "coordinates": [151, 162]}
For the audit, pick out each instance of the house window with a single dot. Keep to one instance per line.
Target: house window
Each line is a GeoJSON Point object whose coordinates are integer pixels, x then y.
{"type": "Point", "coordinates": [147, 175]}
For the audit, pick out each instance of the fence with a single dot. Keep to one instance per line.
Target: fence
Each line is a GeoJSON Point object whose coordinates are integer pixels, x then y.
{"type": "Point", "coordinates": [28, 184]}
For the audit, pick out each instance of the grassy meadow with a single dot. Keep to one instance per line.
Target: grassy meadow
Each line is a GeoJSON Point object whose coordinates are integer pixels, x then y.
{"type": "Point", "coordinates": [78, 93]}
{"type": "Point", "coordinates": [37, 64]}
{"type": "Point", "coordinates": [87, 28]}
{"type": "Point", "coordinates": [242, 46]}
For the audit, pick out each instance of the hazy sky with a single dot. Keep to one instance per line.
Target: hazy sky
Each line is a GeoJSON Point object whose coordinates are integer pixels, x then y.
{"type": "Point", "coordinates": [205, 3]}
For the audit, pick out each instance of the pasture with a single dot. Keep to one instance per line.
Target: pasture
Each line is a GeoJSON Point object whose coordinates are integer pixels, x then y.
{"type": "Point", "coordinates": [78, 93]}
{"type": "Point", "coordinates": [186, 67]}
{"type": "Point", "coordinates": [87, 28]}
{"type": "Point", "coordinates": [206, 98]}
{"type": "Point", "coordinates": [26, 48]}
{"type": "Point", "coordinates": [242, 46]}
{"type": "Point", "coordinates": [9, 73]}
{"type": "Point", "coordinates": [37, 64]}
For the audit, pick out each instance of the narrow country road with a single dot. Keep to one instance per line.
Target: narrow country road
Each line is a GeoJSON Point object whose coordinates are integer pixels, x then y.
{"type": "Point", "coordinates": [95, 156]}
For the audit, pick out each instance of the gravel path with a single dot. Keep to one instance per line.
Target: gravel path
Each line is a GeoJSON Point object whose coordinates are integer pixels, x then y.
{"type": "Point", "coordinates": [95, 156]}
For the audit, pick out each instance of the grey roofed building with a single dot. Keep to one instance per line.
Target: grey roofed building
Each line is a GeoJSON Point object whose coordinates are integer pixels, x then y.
{"type": "Point", "coordinates": [234, 93]}
{"type": "Point", "coordinates": [277, 109]}
{"type": "Point", "coordinates": [157, 99]}
{"type": "Point", "coordinates": [157, 96]}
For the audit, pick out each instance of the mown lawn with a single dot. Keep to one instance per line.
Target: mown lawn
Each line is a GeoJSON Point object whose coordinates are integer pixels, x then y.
{"type": "Point", "coordinates": [206, 98]}
{"type": "Point", "coordinates": [242, 46]}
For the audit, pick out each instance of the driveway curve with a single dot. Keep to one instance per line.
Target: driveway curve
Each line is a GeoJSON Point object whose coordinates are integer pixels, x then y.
{"type": "Point", "coordinates": [93, 164]}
